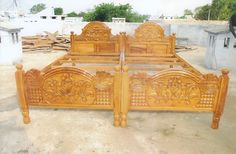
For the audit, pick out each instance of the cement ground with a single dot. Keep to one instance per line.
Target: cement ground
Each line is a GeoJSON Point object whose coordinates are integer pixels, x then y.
{"type": "Point", "coordinates": [86, 131]}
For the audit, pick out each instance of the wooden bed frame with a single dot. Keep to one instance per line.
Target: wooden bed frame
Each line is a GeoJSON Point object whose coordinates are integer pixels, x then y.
{"type": "Point", "coordinates": [87, 77]}
{"type": "Point", "coordinates": [155, 78]}
{"type": "Point", "coordinates": [122, 73]}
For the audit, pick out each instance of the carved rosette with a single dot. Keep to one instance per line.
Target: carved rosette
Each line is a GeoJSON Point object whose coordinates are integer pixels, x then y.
{"type": "Point", "coordinates": [138, 89]}
{"type": "Point", "coordinates": [104, 88]}
{"type": "Point", "coordinates": [33, 87]}
{"type": "Point", "coordinates": [209, 91]}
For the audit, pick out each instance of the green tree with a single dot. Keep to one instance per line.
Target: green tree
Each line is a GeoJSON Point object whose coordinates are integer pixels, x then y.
{"type": "Point", "coordinates": [105, 12]}
{"type": "Point", "coordinates": [202, 12]}
{"type": "Point", "coordinates": [58, 11]}
{"type": "Point", "coordinates": [72, 14]}
{"type": "Point", "coordinates": [219, 10]}
{"type": "Point", "coordinates": [187, 12]}
{"type": "Point", "coordinates": [81, 14]}
{"type": "Point", "coordinates": [37, 8]}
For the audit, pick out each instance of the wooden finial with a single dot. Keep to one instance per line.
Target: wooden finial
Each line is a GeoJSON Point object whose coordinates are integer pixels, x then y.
{"type": "Point", "coordinates": [225, 71]}
{"type": "Point", "coordinates": [117, 68]}
{"type": "Point", "coordinates": [125, 68]}
{"type": "Point", "coordinates": [19, 66]}
{"type": "Point", "coordinates": [72, 33]}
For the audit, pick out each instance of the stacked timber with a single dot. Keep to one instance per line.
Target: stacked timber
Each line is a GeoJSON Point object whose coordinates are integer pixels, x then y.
{"type": "Point", "coordinates": [46, 43]}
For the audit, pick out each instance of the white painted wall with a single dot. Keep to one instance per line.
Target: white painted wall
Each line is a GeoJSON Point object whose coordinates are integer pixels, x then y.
{"type": "Point", "coordinates": [194, 32]}
{"type": "Point", "coordinates": [218, 56]}
{"type": "Point", "coordinates": [10, 53]}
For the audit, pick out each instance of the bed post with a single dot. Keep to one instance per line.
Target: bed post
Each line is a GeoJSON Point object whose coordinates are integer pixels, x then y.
{"type": "Point", "coordinates": [224, 80]}
{"type": "Point", "coordinates": [21, 93]}
{"type": "Point", "coordinates": [173, 42]}
{"type": "Point", "coordinates": [122, 47]}
{"type": "Point", "coordinates": [125, 96]}
{"type": "Point", "coordinates": [72, 41]}
{"type": "Point", "coordinates": [117, 96]}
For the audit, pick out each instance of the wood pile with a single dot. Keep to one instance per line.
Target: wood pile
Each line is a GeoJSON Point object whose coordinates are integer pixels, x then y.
{"type": "Point", "coordinates": [47, 43]}
{"type": "Point", "coordinates": [181, 48]}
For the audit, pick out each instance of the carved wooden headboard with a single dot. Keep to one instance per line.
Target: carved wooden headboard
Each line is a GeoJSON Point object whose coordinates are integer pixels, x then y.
{"type": "Point", "coordinates": [149, 38]}
{"type": "Point", "coordinates": [96, 38]}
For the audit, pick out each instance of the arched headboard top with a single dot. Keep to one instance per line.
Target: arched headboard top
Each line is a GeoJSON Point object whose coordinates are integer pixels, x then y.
{"type": "Point", "coordinates": [149, 39]}
{"type": "Point", "coordinates": [149, 31]}
{"type": "Point", "coordinates": [95, 31]}
{"type": "Point", "coordinates": [96, 38]}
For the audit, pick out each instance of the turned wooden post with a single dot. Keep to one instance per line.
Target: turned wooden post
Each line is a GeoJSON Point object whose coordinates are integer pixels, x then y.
{"type": "Point", "coordinates": [173, 42]}
{"type": "Point", "coordinates": [117, 95]}
{"type": "Point", "coordinates": [122, 39]}
{"type": "Point", "coordinates": [72, 41]}
{"type": "Point", "coordinates": [21, 93]}
{"type": "Point", "coordinates": [125, 96]}
{"type": "Point", "coordinates": [224, 81]}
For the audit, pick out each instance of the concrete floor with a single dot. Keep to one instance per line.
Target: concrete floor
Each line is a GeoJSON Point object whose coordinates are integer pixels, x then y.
{"type": "Point", "coordinates": [86, 131]}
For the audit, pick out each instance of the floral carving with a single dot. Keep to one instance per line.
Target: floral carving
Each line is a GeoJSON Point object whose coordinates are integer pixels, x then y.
{"type": "Point", "coordinates": [68, 88]}
{"type": "Point", "coordinates": [32, 86]}
{"type": "Point", "coordinates": [174, 91]}
{"type": "Point", "coordinates": [32, 77]}
{"type": "Point", "coordinates": [104, 80]}
{"type": "Point", "coordinates": [149, 32]}
{"type": "Point", "coordinates": [95, 31]}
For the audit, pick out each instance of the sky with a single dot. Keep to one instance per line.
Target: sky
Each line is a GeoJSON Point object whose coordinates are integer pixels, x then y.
{"type": "Point", "coordinates": [150, 7]}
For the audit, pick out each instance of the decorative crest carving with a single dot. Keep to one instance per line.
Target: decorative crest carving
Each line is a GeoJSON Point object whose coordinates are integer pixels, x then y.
{"type": "Point", "coordinates": [104, 80]}
{"type": "Point", "coordinates": [95, 31]}
{"type": "Point", "coordinates": [149, 31]}
{"type": "Point", "coordinates": [72, 86]}
{"type": "Point", "coordinates": [33, 86]}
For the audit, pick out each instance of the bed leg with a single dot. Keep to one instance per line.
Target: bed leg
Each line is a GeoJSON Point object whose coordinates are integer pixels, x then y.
{"type": "Point", "coordinates": [123, 120]}
{"type": "Point", "coordinates": [116, 119]}
{"type": "Point", "coordinates": [21, 93]}
{"type": "Point", "coordinates": [215, 121]}
{"type": "Point", "coordinates": [26, 118]}
{"type": "Point", "coordinates": [224, 81]}
{"type": "Point", "coordinates": [125, 96]}
{"type": "Point", "coordinates": [117, 96]}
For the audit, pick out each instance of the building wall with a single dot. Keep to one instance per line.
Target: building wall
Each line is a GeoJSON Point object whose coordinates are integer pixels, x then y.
{"type": "Point", "coordinates": [195, 33]}
{"type": "Point", "coordinates": [225, 56]}
{"type": "Point", "coordinates": [220, 54]}
{"type": "Point", "coordinates": [9, 52]}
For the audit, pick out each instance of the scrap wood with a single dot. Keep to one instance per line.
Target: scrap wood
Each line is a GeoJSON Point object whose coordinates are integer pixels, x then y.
{"type": "Point", "coordinates": [49, 41]}
{"type": "Point", "coordinates": [181, 48]}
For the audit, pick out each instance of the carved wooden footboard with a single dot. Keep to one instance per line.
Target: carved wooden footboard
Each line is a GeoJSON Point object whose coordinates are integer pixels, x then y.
{"type": "Point", "coordinates": [174, 90]}
{"type": "Point", "coordinates": [69, 87]}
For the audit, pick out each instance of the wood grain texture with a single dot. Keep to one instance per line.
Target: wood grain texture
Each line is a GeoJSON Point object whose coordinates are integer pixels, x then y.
{"type": "Point", "coordinates": [95, 38]}
{"type": "Point", "coordinates": [159, 79]}
{"type": "Point", "coordinates": [122, 73]}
